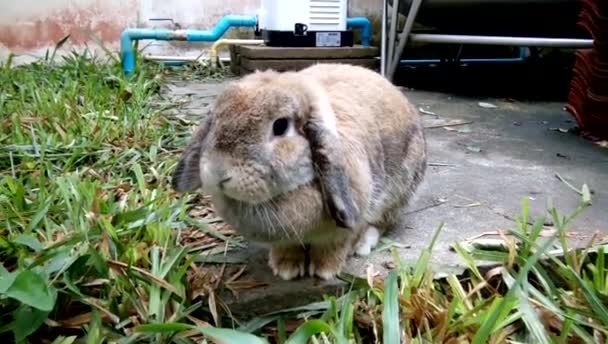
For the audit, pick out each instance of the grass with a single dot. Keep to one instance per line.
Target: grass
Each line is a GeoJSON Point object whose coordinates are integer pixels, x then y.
{"type": "Point", "coordinates": [96, 247]}
{"type": "Point", "coordinates": [93, 240]}
{"type": "Point", "coordinates": [530, 293]}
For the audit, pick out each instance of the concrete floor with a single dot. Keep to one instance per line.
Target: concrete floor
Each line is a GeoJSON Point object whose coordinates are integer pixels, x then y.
{"type": "Point", "coordinates": [479, 175]}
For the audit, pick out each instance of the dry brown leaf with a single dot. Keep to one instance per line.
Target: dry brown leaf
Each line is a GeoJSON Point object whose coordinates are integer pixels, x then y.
{"type": "Point", "coordinates": [98, 304]}
{"type": "Point", "coordinates": [236, 275]}
{"type": "Point", "coordinates": [511, 247]}
{"type": "Point", "coordinates": [371, 273]}
{"type": "Point", "coordinates": [96, 282]}
{"type": "Point", "coordinates": [213, 306]}
{"type": "Point", "coordinates": [200, 280]}
{"type": "Point", "coordinates": [198, 322]}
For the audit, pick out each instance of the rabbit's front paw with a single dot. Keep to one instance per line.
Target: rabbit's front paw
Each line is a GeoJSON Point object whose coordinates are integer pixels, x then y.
{"type": "Point", "coordinates": [326, 261]}
{"type": "Point", "coordinates": [287, 261]}
{"type": "Point", "coordinates": [367, 242]}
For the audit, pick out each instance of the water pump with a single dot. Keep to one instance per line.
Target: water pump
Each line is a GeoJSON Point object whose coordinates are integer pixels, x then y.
{"type": "Point", "coordinates": [304, 23]}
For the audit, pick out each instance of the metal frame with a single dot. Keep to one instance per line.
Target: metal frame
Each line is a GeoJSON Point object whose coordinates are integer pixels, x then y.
{"type": "Point", "coordinates": [391, 57]}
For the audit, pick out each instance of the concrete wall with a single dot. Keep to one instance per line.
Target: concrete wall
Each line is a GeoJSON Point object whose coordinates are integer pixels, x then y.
{"type": "Point", "coordinates": [29, 28]}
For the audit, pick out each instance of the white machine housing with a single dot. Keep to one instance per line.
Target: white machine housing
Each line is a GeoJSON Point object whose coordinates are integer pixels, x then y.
{"type": "Point", "coordinates": [317, 15]}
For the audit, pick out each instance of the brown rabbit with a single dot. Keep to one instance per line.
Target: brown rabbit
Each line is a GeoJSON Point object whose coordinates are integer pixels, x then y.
{"type": "Point", "coordinates": [316, 163]}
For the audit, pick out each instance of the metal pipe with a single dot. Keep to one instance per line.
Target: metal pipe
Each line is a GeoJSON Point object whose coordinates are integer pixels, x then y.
{"type": "Point", "coordinates": [172, 58]}
{"type": "Point", "coordinates": [407, 29]}
{"type": "Point", "coordinates": [383, 56]}
{"type": "Point", "coordinates": [503, 40]}
{"type": "Point", "coordinates": [178, 60]}
{"type": "Point", "coordinates": [393, 29]}
{"type": "Point", "coordinates": [224, 41]}
{"type": "Point", "coordinates": [130, 34]}
{"type": "Point", "coordinates": [361, 23]}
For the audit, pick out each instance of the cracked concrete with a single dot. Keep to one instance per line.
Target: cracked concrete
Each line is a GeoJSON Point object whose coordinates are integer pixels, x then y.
{"type": "Point", "coordinates": [477, 178]}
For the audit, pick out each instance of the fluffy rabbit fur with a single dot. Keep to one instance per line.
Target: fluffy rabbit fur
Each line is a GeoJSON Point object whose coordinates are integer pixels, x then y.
{"type": "Point", "coordinates": [316, 163]}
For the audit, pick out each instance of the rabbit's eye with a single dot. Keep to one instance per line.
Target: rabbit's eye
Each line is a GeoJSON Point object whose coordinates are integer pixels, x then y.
{"type": "Point", "coordinates": [280, 126]}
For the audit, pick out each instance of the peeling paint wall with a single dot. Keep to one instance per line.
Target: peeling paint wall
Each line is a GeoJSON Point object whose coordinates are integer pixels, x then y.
{"type": "Point", "coordinates": [29, 28]}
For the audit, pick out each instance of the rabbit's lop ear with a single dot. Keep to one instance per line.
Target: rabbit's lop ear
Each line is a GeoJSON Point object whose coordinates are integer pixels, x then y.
{"type": "Point", "coordinates": [186, 176]}
{"type": "Point", "coordinates": [331, 172]}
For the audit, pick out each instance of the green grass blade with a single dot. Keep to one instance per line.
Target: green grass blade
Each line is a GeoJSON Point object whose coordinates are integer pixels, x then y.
{"type": "Point", "coordinates": [28, 240]}
{"type": "Point", "coordinates": [390, 312]}
{"type": "Point", "coordinates": [488, 325]}
{"type": "Point", "coordinates": [599, 309]}
{"type": "Point", "coordinates": [163, 328]}
{"type": "Point", "coordinates": [281, 330]}
{"type": "Point", "coordinates": [310, 328]}
{"type": "Point", "coordinates": [64, 340]}
{"type": "Point", "coordinates": [529, 316]}
{"type": "Point", "coordinates": [223, 335]}
{"type": "Point", "coordinates": [599, 277]}
{"type": "Point", "coordinates": [257, 323]}
{"type": "Point", "coordinates": [345, 325]}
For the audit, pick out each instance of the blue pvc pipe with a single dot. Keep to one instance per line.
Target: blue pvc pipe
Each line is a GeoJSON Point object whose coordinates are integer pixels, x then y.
{"type": "Point", "coordinates": [361, 23]}
{"type": "Point", "coordinates": [129, 35]}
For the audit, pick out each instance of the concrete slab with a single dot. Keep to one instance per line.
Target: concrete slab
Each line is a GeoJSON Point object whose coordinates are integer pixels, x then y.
{"type": "Point", "coordinates": [265, 52]}
{"type": "Point", "coordinates": [478, 176]}
{"type": "Point", "coordinates": [248, 58]}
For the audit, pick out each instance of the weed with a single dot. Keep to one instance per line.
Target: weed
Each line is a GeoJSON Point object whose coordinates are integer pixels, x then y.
{"type": "Point", "coordinates": [93, 240]}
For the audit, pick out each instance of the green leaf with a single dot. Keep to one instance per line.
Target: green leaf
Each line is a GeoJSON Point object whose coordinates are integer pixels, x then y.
{"type": "Point", "coordinates": [131, 216]}
{"type": "Point", "coordinates": [29, 241]}
{"type": "Point", "coordinates": [261, 321]}
{"type": "Point", "coordinates": [586, 194]}
{"type": "Point", "coordinates": [39, 215]}
{"type": "Point", "coordinates": [599, 278]}
{"type": "Point", "coordinates": [27, 321]}
{"type": "Point", "coordinates": [31, 289]}
{"type": "Point", "coordinates": [224, 335]}
{"type": "Point", "coordinates": [163, 328]}
{"type": "Point", "coordinates": [311, 328]}
{"type": "Point", "coordinates": [594, 302]}
{"type": "Point", "coordinates": [494, 317]}
{"type": "Point", "coordinates": [64, 340]}
{"type": "Point", "coordinates": [139, 178]}
{"type": "Point", "coordinates": [94, 333]}
{"type": "Point", "coordinates": [218, 335]}
{"type": "Point", "coordinates": [60, 261]}
{"type": "Point", "coordinates": [528, 314]}
{"type": "Point", "coordinates": [390, 312]}
{"type": "Point", "coordinates": [345, 325]}
{"type": "Point", "coordinates": [281, 330]}
{"type": "Point", "coordinates": [6, 279]}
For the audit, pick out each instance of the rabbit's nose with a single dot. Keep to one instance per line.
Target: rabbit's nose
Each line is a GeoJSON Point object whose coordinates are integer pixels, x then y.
{"type": "Point", "coordinates": [223, 181]}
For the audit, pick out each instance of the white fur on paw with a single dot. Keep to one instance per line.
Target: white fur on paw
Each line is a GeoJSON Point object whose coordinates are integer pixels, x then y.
{"type": "Point", "coordinates": [289, 272]}
{"type": "Point", "coordinates": [325, 274]}
{"type": "Point", "coordinates": [286, 268]}
{"type": "Point", "coordinates": [368, 241]}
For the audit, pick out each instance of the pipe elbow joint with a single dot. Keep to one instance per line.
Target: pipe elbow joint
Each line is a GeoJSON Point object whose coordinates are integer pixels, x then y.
{"type": "Point", "coordinates": [364, 25]}
{"type": "Point", "coordinates": [127, 56]}
{"type": "Point", "coordinates": [128, 35]}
